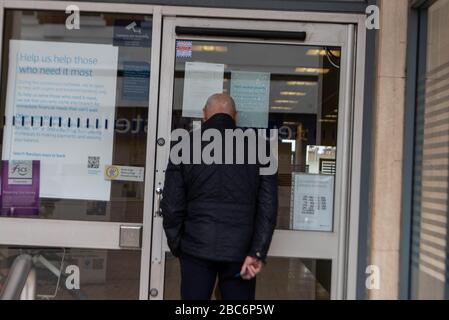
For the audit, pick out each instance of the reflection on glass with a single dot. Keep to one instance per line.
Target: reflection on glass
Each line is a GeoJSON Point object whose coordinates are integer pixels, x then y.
{"type": "Point", "coordinates": [78, 274]}
{"type": "Point", "coordinates": [281, 279]}
{"type": "Point", "coordinates": [292, 88]}
{"type": "Point", "coordinates": [294, 279]}
{"type": "Point", "coordinates": [429, 270]}
{"type": "Point", "coordinates": [129, 115]}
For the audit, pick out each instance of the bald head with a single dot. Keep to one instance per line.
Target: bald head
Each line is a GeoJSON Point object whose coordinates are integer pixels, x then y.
{"type": "Point", "coordinates": [219, 103]}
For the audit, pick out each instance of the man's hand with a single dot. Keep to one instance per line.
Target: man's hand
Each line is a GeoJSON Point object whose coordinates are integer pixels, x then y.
{"type": "Point", "coordinates": [251, 267]}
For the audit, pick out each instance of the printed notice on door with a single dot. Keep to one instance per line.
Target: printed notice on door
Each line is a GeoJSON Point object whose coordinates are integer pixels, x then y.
{"type": "Point", "coordinates": [60, 109]}
{"type": "Point", "coordinates": [201, 81]}
{"type": "Point", "coordinates": [251, 93]}
{"type": "Point", "coordinates": [312, 202]}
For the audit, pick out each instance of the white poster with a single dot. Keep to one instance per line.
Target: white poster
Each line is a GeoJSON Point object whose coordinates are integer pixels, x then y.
{"type": "Point", "coordinates": [312, 202]}
{"type": "Point", "coordinates": [251, 93]}
{"type": "Point", "coordinates": [201, 80]}
{"type": "Point", "coordinates": [62, 99]}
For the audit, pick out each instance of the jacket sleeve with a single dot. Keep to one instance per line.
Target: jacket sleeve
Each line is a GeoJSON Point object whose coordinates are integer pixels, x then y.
{"type": "Point", "coordinates": [173, 206]}
{"type": "Point", "coordinates": [266, 216]}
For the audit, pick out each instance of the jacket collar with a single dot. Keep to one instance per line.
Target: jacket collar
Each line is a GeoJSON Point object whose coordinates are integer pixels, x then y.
{"type": "Point", "coordinates": [220, 121]}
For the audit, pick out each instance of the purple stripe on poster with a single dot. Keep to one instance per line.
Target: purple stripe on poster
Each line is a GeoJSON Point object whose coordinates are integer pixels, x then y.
{"type": "Point", "coordinates": [20, 187]}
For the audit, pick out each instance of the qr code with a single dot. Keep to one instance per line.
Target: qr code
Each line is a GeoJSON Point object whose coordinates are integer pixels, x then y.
{"type": "Point", "coordinates": [93, 162]}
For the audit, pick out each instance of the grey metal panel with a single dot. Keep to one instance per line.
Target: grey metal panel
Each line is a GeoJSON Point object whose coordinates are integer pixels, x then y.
{"type": "Point", "coordinates": [416, 67]}
{"type": "Point", "coordinates": [356, 6]}
{"type": "Point", "coordinates": [408, 152]}
{"type": "Point", "coordinates": [446, 286]}
{"type": "Point", "coordinates": [418, 136]}
{"type": "Point", "coordinates": [364, 216]}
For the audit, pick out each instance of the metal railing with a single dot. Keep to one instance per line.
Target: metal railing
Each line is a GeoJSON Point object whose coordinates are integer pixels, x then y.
{"type": "Point", "coordinates": [21, 281]}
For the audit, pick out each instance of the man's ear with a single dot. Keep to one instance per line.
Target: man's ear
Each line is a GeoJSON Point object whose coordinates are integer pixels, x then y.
{"type": "Point", "coordinates": [204, 114]}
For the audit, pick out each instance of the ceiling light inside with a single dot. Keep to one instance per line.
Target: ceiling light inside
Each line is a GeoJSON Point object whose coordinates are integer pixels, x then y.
{"type": "Point", "coordinates": [206, 48]}
{"type": "Point", "coordinates": [286, 101]}
{"type": "Point", "coordinates": [301, 83]}
{"type": "Point", "coordinates": [293, 93]}
{"type": "Point", "coordinates": [281, 108]}
{"type": "Point", "coordinates": [322, 52]}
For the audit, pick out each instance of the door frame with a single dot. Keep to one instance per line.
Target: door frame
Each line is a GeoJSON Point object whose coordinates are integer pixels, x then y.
{"type": "Point", "coordinates": [343, 281]}
{"type": "Point", "coordinates": [8, 225]}
{"type": "Point", "coordinates": [93, 234]}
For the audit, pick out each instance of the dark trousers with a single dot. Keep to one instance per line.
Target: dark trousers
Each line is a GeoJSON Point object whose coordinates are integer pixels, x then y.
{"type": "Point", "coordinates": [198, 277]}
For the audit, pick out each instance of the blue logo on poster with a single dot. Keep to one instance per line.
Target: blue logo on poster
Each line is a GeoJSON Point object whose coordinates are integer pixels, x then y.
{"type": "Point", "coordinates": [132, 33]}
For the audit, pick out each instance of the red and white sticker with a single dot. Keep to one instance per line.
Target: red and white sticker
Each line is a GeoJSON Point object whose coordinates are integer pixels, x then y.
{"type": "Point", "coordinates": [183, 49]}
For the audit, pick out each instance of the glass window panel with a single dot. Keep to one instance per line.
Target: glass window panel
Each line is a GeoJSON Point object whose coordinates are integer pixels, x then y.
{"type": "Point", "coordinates": [303, 104]}
{"type": "Point", "coordinates": [127, 125]}
{"type": "Point", "coordinates": [281, 279]}
{"type": "Point", "coordinates": [429, 245]}
{"type": "Point", "coordinates": [103, 274]}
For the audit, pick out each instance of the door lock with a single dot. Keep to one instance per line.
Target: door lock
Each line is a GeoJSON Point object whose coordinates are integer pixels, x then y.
{"type": "Point", "coordinates": [154, 292]}
{"type": "Point", "coordinates": [161, 141]}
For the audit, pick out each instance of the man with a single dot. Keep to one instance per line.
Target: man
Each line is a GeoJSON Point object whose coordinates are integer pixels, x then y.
{"type": "Point", "coordinates": [219, 218]}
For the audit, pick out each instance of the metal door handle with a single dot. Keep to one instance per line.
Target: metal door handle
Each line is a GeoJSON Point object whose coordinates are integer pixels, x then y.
{"type": "Point", "coordinates": [158, 211]}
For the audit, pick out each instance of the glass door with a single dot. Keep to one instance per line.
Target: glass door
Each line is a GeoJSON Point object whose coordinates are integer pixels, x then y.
{"type": "Point", "coordinates": [294, 77]}
{"type": "Point", "coordinates": [75, 107]}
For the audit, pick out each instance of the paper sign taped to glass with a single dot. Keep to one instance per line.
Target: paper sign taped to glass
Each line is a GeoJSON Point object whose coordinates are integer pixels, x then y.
{"type": "Point", "coordinates": [312, 202]}
{"type": "Point", "coordinates": [62, 97]}
{"type": "Point", "coordinates": [132, 33]}
{"type": "Point", "coordinates": [20, 181]}
{"type": "Point", "coordinates": [135, 81]}
{"type": "Point", "coordinates": [200, 82]}
{"type": "Point", "coordinates": [251, 93]}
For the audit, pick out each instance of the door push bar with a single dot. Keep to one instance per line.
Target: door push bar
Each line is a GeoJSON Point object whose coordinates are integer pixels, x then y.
{"type": "Point", "coordinates": [239, 33]}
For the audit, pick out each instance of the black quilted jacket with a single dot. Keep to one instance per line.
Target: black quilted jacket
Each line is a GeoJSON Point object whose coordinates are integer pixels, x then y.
{"type": "Point", "coordinates": [220, 212]}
